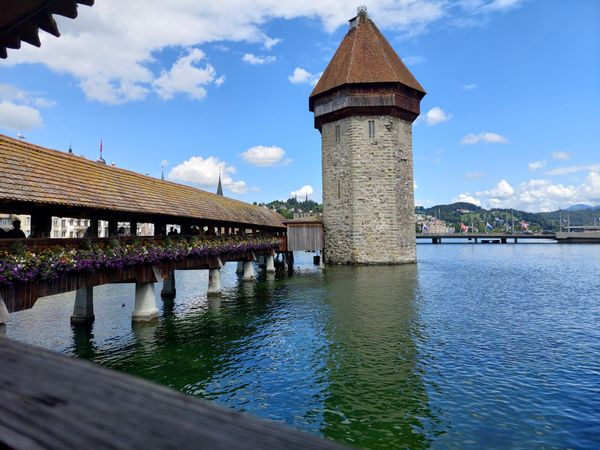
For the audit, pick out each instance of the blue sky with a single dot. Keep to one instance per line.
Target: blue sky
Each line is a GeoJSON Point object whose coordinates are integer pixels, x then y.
{"type": "Point", "coordinates": [511, 118]}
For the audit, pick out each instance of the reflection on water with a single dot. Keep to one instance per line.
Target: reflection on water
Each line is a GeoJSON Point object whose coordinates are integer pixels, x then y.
{"type": "Point", "coordinates": [476, 346]}
{"type": "Point", "coordinates": [375, 395]}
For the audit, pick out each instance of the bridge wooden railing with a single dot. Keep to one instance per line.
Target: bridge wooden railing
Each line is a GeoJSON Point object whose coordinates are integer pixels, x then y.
{"type": "Point", "coordinates": [43, 243]}
{"type": "Point", "coordinates": [62, 272]}
{"type": "Point", "coordinates": [50, 401]}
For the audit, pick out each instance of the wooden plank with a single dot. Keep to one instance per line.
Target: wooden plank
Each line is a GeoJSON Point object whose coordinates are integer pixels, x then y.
{"type": "Point", "coordinates": [50, 401]}
{"type": "Point", "coordinates": [305, 238]}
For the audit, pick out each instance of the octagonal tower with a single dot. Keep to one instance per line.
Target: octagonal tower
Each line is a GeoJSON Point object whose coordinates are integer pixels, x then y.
{"type": "Point", "coordinates": [364, 105]}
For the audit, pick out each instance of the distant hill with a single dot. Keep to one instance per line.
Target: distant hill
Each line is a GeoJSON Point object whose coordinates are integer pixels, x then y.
{"type": "Point", "coordinates": [286, 208]}
{"type": "Point", "coordinates": [580, 207]}
{"type": "Point", "coordinates": [456, 213]}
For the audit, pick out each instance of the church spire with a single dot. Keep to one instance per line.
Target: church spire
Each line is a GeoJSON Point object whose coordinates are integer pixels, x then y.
{"type": "Point", "coordinates": [219, 186]}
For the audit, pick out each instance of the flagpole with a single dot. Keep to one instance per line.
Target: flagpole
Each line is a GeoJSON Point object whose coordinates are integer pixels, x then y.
{"type": "Point", "coordinates": [560, 218]}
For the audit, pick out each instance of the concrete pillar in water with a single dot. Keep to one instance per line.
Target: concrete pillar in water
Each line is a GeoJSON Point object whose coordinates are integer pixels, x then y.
{"type": "Point", "coordinates": [248, 271]}
{"type": "Point", "coordinates": [214, 282]}
{"type": "Point", "coordinates": [145, 303]}
{"type": "Point", "coordinates": [83, 310]}
{"type": "Point", "coordinates": [4, 315]}
{"type": "Point", "coordinates": [168, 290]}
{"type": "Point", "coordinates": [240, 267]}
{"type": "Point", "coordinates": [270, 264]}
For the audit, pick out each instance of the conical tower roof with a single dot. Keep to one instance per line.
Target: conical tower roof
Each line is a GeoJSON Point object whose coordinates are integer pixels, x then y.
{"type": "Point", "coordinates": [364, 56]}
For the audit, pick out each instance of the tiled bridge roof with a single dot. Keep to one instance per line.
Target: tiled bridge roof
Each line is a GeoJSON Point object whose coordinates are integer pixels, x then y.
{"type": "Point", "coordinates": [40, 177]}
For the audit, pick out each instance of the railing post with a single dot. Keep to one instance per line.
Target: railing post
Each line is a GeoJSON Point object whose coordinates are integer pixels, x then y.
{"type": "Point", "coordinates": [93, 228]}
{"type": "Point", "coordinates": [133, 228]}
{"type": "Point", "coordinates": [160, 229]}
{"type": "Point", "coordinates": [41, 224]}
{"type": "Point", "coordinates": [112, 228]}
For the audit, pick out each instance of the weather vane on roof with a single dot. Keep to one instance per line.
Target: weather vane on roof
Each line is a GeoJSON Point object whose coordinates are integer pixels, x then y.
{"type": "Point", "coordinates": [361, 10]}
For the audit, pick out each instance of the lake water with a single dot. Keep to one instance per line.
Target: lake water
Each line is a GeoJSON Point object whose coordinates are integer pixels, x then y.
{"type": "Point", "coordinates": [476, 346]}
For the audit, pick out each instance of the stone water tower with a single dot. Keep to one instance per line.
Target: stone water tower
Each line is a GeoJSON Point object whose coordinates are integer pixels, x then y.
{"type": "Point", "coordinates": [364, 105]}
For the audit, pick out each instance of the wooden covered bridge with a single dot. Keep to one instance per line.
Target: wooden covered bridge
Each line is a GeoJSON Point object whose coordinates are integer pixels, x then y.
{"type": "Point", "coordinates": [45, 184]}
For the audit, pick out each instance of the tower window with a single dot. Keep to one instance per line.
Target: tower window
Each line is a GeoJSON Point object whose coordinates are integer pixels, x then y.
{"type": "Point", "coordinates": [371, 129]}
{"type": "Point", "coordinates": [337, 133]}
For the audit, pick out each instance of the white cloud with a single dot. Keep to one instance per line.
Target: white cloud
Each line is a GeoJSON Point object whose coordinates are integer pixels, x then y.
{"type": "Point", "coordinates": [301, 75]}
{"type": "Point", "coordinates": [264, 156]}
{"type": "Point", "coordinates": [413, 60]}
{"type": "Point", "coordinates": [502, 190]}
{"type": "Point", "coordinates": [436, 115]}
{"type": "Point", "coordinates": [561, 155]}
{"type": "Point", "coordinates": [186, 77]}
{"type": "Point", "coordinates": [467, 198]}
{"type": "Point", "coordinates": [19, 117]}
{"type": "Point", "coordinates": [257, 60]}
{"type": "Point", "coordinates": [502, 5]}
{"type": "Point", "coordinates": [536, 165]}
{"type": "Point", "coordinates": [474, 175]}
{"type": "Point", "coordinates": [487, 137]}
{"type": "Point", "coordinates": [542, 194]}
{"type": "Point", "coordinates": [205, 172]}
{"type": "Point", "coordinates": [303, 192]}
{"type": "Point", "coordinates": [573, 169]}
{"type": "Point", "coordinates": [269, 43]}
{"type": "Point", "coordinates": [15, 95]}
{"type": "Point", "coordinates": [112, 49]}
{"type": "Point", "coordinates": [469, 86]}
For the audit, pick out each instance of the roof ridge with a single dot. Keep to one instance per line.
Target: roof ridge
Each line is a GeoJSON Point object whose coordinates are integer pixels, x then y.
{"type": "Point", "coordinates": [355, 38]}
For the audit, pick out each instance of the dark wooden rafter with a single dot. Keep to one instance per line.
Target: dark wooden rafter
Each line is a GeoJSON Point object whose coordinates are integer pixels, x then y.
{"type": "Point", "coordinates": [20, 20]}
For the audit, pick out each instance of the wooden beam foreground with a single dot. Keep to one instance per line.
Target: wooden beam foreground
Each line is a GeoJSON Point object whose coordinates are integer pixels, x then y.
{"type": "Point", "coordinates": [50, 401]}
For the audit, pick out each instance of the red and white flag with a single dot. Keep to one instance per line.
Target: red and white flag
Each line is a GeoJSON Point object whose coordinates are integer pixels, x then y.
{"type": "Point", "coordinates": [463, 228]}
{"type": "Point", "coordinates": [524, 225]}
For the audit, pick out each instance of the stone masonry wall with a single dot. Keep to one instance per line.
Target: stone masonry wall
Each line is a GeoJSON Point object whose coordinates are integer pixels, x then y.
{"type": "Point", "coordinates": [368, 192]}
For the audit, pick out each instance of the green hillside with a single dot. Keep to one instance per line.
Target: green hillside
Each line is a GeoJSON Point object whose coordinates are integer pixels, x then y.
{"type": "Point", "coordinates": [501, 219]}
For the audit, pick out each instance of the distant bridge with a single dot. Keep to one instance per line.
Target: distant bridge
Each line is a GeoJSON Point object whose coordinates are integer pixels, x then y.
{"type": "Point", "coordinates": [504, 238]}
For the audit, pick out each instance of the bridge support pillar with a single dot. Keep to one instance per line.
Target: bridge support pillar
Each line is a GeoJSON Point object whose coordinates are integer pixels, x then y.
{"type": "Point", "coordinates": [168, 290]}
{"type": "Point", "coordinates": [145, 303]}
{"type": "Point", "coordinates": [83, 310]}
{"type": "Point", "coordinates": [214, 282]}
{"type": "Point", "coordinates": [4, 315]}
{"type": "Point", "coordinates": [503, 240]}
{"type": "Point", "coordinates": [240, 267]}
{"type": "Point", "coordinates": [270, 264]}
{"type": "Point", "coordinates": [248, 271]}
{"type": "Point", "coordinates": [516, 241]}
